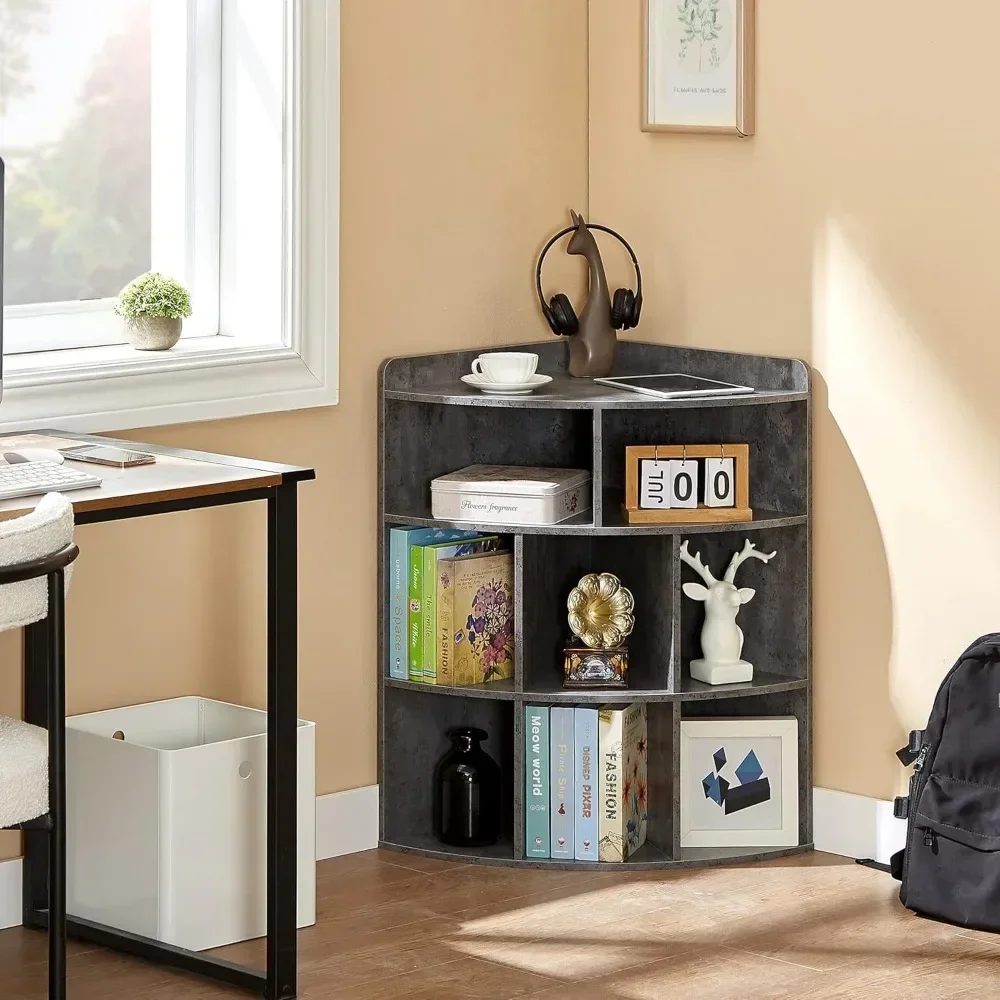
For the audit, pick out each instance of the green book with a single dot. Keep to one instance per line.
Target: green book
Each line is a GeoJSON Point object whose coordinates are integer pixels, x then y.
{"type": "Point", "coordinates": [429, 595]}
{"type": "Point", "coordinates": [413, 631]}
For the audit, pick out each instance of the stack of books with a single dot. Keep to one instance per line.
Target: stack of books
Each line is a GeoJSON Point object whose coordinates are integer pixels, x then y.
{"type": "Point", "coordinates": [451, 607]}
{"type": "Point", "coordinates": [585, 782]}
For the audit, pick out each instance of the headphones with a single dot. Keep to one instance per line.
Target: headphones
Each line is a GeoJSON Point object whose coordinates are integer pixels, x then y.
{"type": "Point", "coordinates": [626, 305]}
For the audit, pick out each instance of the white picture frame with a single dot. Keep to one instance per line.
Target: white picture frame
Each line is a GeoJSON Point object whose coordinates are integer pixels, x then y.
{"type": "Point", "coordinates": [698, 66]}
{"type": "Point", "coordinates": [705, 821]}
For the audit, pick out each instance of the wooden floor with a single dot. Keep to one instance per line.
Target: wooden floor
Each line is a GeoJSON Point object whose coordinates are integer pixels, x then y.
{"type": "Point", "coordinates": [393, 926]}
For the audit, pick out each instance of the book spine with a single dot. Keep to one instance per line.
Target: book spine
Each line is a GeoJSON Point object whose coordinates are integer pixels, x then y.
{"type": "Point", "coordinates": [413, 620]}
{"type": "Point", "coordinates": [428, 615]}
{"type": "Point", "coordinates": [398, 592]}
{"type": "Point", "coordinates": [445, 632]}
{"type": "Point", "coordinates": [585, 809]}
{"type": "Point", "coordinates": [611, 847]}
{"type": "Point", "coordinates": [536, 780]}
{"type": "Point", "coordinates": [634, 780]}
{"type": "Point", "coordinates": [561, 777]}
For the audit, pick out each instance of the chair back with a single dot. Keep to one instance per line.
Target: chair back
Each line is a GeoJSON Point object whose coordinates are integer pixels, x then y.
{"type": "Point", "coordinates": [43, 532]}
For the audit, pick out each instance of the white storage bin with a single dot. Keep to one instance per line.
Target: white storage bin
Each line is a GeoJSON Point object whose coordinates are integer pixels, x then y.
{"type": "Point", "coordinates": [167, 828]}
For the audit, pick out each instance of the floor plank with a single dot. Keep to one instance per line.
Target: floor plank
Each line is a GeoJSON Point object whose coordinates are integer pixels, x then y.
{"type": "Point", "coordinates": [391, 925]}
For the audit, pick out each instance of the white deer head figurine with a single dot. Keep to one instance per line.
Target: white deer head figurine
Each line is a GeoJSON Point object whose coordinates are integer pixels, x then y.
{"type": "Point", "coordinates": [721, 637]}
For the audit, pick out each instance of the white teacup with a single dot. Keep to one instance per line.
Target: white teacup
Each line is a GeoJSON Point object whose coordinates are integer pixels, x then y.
{"type": "Point", "coordinates": [505, 366]}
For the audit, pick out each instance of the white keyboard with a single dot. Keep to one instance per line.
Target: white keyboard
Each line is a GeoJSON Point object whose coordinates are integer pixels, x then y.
{"type": "Point", "coordinates": [26, 479]}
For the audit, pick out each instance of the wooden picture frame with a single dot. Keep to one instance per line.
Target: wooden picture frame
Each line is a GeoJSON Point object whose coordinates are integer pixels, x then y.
{"type": "Point", "coordinates": [634, 514]}
{"type": "Point", "coordinates": [698, 75]}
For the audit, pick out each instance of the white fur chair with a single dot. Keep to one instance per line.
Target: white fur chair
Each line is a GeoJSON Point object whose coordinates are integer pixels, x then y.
{"type": "Point", "coordinates": [36, 551]}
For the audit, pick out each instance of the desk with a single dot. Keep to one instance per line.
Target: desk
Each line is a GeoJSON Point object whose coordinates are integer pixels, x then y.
{"type": "Point", "coordinates": [185, 480]}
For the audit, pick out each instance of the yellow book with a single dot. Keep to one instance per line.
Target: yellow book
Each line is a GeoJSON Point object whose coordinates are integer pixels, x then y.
{"type": "Point", "coordinates": [475, 619]}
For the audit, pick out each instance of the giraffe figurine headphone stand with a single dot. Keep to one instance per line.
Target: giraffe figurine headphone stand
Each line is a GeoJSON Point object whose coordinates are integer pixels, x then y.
{"type": "Point", "coordinates": [592, 338]}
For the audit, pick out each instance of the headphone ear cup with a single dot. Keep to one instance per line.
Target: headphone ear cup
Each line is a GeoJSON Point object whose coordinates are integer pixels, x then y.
{"type": "Point", "coordinates": [622, 307]}
{"type": "Point", "coordinates": [564, 321]}
{"type": "Point", "coordinates": [636, 311]}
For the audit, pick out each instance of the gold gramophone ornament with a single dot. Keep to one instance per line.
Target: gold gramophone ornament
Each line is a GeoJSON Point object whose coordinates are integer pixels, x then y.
{"type": "Point", "coordinates": [601, 620]}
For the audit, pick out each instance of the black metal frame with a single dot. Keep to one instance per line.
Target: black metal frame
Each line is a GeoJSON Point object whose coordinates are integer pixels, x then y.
{"type": "Point", "coordinates": [52, 825]}
{"type": "Point", "coordinates": [278, 981]}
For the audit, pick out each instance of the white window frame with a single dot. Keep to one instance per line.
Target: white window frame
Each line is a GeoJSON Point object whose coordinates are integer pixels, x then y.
{"type": "Point", "coordinates": [236, 372]}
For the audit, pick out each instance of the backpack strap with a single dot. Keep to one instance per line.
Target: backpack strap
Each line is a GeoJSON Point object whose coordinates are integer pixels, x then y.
{"type": "Point", "coordinates": [908, 754]}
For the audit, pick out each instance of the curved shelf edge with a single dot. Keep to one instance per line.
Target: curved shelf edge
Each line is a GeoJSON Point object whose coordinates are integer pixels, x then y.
{"type": "Point", "coordinates": [690, 690]}
{"type": "Point", "coordinates": [691, 857]}
{"type": "Point", "coordinates": [583, 525]}
{"type": "Point", "coordinates": [455, 394]}
{"type": "Point", "coordinates": [497, 690]}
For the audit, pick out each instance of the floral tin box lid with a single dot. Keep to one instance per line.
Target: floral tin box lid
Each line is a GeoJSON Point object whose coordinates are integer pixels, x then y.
{"type": "Point", "coordinates": [512, 480]}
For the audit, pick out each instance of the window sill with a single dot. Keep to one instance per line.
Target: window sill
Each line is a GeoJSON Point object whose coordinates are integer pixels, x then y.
{"type": "Point", "coordinates": [202, 378]}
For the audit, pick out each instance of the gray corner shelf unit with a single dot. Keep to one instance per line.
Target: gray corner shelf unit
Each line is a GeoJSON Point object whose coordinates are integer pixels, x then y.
{"type": "Point", "coordinates": [430, 423]}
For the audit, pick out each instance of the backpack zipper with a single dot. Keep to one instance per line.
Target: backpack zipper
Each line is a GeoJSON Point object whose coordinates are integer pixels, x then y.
{"type": "Point", "coordinates": [916, 786]}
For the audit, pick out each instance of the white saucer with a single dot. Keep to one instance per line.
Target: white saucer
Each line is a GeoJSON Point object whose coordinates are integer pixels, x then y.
{"type": "Point", "coordinates": [507, 388]}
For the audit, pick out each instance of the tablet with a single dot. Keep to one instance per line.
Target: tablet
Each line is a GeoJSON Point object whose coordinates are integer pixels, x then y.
{"type": "Point", "coordinates": [675, 386]}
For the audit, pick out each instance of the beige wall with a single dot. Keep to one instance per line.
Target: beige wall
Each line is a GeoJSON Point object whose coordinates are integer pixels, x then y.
{"type": "Point", "coordinates": [464, 139]}
{"type": "Point", "coordinates": [857, 229]}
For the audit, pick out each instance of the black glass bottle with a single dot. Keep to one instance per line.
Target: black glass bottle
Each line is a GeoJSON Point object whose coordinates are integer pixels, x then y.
{"type": "Point", "coordinates": [467, 792]}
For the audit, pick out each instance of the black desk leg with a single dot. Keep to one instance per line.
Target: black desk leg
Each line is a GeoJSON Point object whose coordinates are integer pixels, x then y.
{"type": "Point", "coordinates": [282, 741]}
{"type": "Point", "coordinates": [57, 786]}
{"type": "Point", "coordinates": [35, 872]}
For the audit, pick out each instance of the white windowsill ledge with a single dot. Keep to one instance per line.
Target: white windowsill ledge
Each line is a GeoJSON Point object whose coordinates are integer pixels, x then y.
{"type": "Point", "coordinates": [203, 378]}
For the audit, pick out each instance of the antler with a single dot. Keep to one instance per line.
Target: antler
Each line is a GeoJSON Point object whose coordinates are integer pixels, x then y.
{"type": "Point", "coordinates": [750, 551]}
{"type": "Point", "coordinates": [697, 565]}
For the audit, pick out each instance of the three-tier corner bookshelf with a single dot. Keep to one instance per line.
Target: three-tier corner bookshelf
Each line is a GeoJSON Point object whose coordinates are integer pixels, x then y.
{"type": "Point", "coordinates": [430, 423]}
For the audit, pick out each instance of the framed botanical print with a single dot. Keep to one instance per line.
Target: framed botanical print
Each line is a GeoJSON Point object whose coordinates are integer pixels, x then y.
{"type": "Point", "coordinates": [698, 66]}
{"type": "Point", "coordinates": [739, 782]}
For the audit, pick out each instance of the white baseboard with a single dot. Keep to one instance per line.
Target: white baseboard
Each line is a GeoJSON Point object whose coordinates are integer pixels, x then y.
{"type": "Point", "coordinates": [346, 822]}
{"type": "Point", "coordinates": [855, 826]}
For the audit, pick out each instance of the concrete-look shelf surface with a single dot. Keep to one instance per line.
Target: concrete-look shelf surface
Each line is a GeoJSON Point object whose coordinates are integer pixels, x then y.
{"type": "Point", "coordinates": [431, 424]}
{"type": "Point", "coordinates": [648, 858]}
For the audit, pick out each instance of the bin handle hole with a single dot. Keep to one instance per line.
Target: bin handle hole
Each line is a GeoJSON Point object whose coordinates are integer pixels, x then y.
{"type": "Point", "coordinates": [246, 769]}
{"type": "Point", "coordinates": [118, 735]}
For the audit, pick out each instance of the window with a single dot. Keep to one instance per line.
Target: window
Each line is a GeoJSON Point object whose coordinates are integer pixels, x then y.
{"type": "Point", "coordinates": [218, 163]}
{"type": "Point", "coordinates": [121, 122]}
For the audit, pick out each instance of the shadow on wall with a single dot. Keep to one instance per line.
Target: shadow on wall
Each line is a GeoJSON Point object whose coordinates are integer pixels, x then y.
{"type": "Point", "coordinates": [898, 425]}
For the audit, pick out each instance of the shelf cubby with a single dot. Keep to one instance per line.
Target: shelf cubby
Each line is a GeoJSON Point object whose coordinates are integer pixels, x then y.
{"type": "Point", "coordinates": [419, 723]}
{"type": "Point", "coordinates": [431, 423]}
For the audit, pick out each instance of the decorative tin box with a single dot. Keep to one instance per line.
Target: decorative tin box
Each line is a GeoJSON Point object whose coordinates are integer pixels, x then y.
{"type": "Point", "coordinates": [510, 494]}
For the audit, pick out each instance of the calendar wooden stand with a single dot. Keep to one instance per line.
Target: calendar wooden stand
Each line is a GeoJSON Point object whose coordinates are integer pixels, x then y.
{"type": "Point", "coordinates": [634, 514]}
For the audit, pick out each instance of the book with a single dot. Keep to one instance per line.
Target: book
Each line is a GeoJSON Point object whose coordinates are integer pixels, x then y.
{"type": "Point", "coordinates": [400, 540]}
{"type": "Point", "coordinates": [429, 593]}
{"type": "Point", "coordinates": [623, 789]}
{"type": "Point", "coordinates": [561, 778]}
{"type": "Point", "coordinates": [476, 618]}
{"type": "Point", "coordinates": [536, 781]}
{"type": "Point", "coordinates": [585, 832]}
{"type": "Point", "coordinates": [414, 575]}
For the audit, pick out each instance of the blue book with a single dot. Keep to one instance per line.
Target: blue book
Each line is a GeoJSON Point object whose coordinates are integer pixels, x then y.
{"type": "Point", "coordinates": [400, 540]}
{"type": "Point", "coordinates": [536, 781]}
{"type": "Point", "coordinates": [561, 773]}
{"type": "Point", "coordinates": [585, 807]}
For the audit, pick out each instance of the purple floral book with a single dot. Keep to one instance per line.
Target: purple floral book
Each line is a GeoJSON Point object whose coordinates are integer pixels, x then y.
{"type": "Point", "coordinates": [475, 619]}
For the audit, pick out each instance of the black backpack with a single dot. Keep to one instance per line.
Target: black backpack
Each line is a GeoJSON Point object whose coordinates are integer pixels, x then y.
{"type": "Point", "coordinates": [950, 867]}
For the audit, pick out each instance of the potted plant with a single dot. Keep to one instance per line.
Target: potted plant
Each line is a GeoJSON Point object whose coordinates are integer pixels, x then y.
{"type": "Point", "coordinates": [154, 308]}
